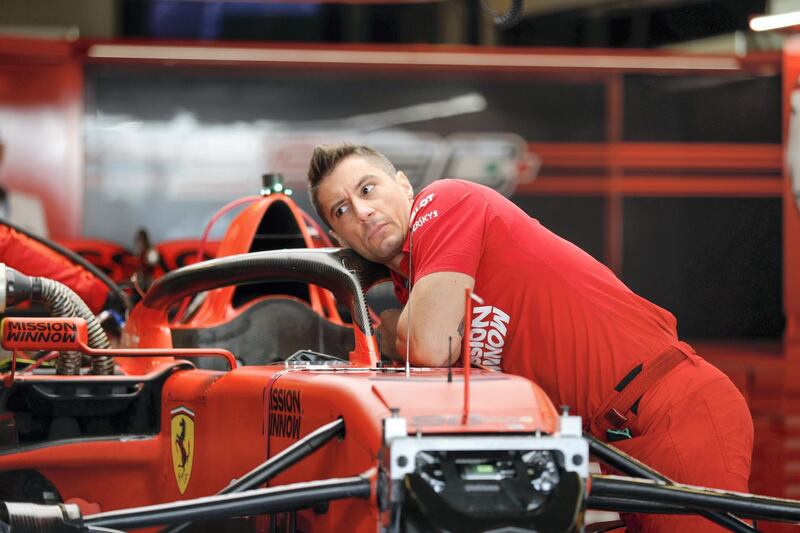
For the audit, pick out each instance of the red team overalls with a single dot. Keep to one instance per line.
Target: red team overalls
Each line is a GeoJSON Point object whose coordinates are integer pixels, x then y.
{"type": "Point", "coordinates": [557, 316]}
{"type": "Point", "coordinates": [33, 258]}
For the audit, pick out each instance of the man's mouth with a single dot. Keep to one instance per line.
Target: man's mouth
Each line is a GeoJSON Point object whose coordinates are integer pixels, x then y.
{"type": "Point", "coordinates": [375, 229]}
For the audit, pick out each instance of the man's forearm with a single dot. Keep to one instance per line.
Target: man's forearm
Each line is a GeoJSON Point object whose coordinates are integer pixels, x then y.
{"type": "Point", "coordinates": [432, 320]}
{"type": "Point", "coordinates": [401, 338]}
{"type": "Point", "coordinates": [388, 333]}
{"type": "Point", "coordinates": [435, 355]}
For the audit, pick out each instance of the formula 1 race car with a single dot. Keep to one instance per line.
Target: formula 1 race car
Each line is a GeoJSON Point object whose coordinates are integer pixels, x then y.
{"type": "Point", "coordinates": [343, 441]}
{"type": "Point", "coordinates": [264, 405]}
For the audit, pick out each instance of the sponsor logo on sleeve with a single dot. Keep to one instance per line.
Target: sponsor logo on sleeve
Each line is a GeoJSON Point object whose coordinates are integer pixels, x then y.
{"type": "Point", "coordinates": [424, 218]}
{"type": "Point", "coordinates": [285, 412]}
{"type": "Point", "coordinates": [488, 336]}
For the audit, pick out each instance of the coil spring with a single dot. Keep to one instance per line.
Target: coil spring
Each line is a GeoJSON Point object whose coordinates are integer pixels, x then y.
{"type": "Point", "coordinates": [62, 301]}
{"type": "Point", "coordinates": [69, 363]}
{"type": "Point", "coordinates": [30, 517]}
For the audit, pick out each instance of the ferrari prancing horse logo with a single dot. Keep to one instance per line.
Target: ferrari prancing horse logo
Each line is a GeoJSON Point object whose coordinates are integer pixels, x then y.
{"type": "Point", "coordinates": [182, 445]}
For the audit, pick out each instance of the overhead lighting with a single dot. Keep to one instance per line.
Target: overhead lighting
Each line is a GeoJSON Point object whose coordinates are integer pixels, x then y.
{"type": "Point", "coordinates": [774, 22]}
{"type": "Point", "coordinates": [411, 58]}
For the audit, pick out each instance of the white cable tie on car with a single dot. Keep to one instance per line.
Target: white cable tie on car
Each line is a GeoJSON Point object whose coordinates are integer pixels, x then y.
{"type": "Point", "coordinates": [476, 298]}
{"type": "Point", "coordinates": [408, 321]}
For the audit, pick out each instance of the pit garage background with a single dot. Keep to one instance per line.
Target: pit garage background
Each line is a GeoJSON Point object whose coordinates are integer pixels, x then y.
{"type": "Point", "coordinates": [656, 135]}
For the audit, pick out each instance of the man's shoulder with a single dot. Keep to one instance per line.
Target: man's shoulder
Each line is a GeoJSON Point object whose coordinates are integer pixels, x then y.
{"type": "Point", "coordinates": [451, 191]}
{"type": "Point", "coordinates": [440, 196]}
{"type": "Point", "coordinates": [466, 194]}
{"type": "Point", "coordinates": [452, 185]}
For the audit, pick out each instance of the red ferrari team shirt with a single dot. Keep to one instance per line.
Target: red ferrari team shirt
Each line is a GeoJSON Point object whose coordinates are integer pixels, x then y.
{"type": "Point", "coordinates": [551, 312]}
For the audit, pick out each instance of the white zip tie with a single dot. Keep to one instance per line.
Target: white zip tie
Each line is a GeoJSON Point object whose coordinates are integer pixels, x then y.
{"type": "Point", "coordinates": [408, 321]}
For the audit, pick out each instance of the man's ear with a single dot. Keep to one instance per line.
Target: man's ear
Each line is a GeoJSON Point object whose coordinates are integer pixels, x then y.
{"type": "Point", "coordinates": [336, 240]}
{"type": "Point", "coordinates": [404, 182]}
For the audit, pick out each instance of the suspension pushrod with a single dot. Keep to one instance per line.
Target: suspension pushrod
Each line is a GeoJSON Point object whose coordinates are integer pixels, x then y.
{"type": "Point", "coordinates": [752, 506]}
{"type": "Point", "coordinates": [626, 464]}
{"type": "Point", "coordinates": [286, 458]}
{"type": "Point", "coordinates": [278, 463]}
{"type": "Point", "coordinates": [628, 505]}
{"type": "Point", "coordinates": [258, 501]}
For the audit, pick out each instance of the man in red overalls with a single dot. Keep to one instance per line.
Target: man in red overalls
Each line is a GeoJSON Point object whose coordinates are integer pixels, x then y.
{"type": "Point", "coordinates": [30, 257]}
{"type": "Point", "coordinates": [551, 313]}
{"type": "Point", "coordinates": [33, 258]}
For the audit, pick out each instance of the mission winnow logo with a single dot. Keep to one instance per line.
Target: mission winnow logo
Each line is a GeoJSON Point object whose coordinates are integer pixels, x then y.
{"type": "Point", "coordinates": [285, 412]}
{"type": "Point", "coordinates": [45, 332]}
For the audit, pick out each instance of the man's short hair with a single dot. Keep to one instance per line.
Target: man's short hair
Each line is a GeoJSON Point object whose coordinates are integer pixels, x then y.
{"type": "Point", "coordinates": [325, 160]}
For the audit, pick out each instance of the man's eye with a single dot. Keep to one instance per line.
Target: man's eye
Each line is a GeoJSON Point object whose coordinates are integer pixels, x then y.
{"type": "Point", "coordinates": [341, 210]}
{"type": "Point", "coordinates": [366, 189]}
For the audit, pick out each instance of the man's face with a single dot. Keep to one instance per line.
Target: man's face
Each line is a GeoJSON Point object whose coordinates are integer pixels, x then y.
{"type": "Point", "coordinates": [367, 208]}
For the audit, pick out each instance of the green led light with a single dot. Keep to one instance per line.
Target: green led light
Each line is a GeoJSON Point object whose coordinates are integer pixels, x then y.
{"type": "Point", "coordinates": [484, 469]}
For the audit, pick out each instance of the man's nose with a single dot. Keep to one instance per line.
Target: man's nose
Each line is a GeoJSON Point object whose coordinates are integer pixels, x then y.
{"type": "Point", "coordinates": [363, 209]}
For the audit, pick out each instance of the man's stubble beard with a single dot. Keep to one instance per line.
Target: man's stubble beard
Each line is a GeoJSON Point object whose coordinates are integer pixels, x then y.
{"type": "Point", "coordinates": [392, 249]}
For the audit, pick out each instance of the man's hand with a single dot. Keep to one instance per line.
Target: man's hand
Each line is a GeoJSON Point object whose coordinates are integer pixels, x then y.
{"type": "Point", "coordinates": [387, 332]}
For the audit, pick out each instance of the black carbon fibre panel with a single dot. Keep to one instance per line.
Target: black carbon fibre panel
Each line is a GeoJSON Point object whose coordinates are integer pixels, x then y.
{"type": "Point", "coordinates": [269, 330]}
